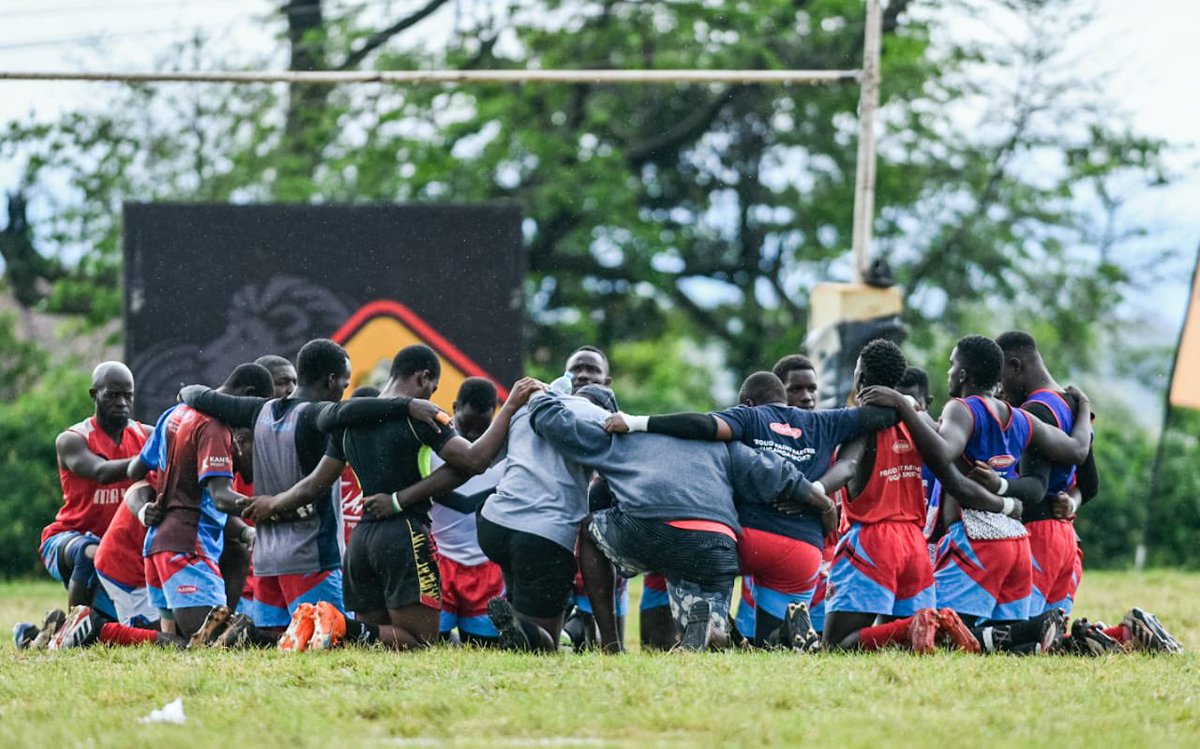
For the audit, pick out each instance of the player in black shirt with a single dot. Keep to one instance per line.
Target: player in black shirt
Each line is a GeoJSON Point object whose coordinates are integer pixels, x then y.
{"type": "Point", "coordinates": [390, 569]}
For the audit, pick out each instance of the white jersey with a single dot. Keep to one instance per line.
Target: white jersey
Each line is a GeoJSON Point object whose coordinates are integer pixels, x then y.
{"type": "Point", "coordinates": [455, 531]}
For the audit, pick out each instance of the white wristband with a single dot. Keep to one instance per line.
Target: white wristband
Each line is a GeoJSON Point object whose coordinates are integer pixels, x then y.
{"type": "Point", "coordinates": [141, 516]}
{"type": "Point", "coordinates": [1003, 486]}
{"type": "Point", "coordinates": [819, 487]}
{"type": "Point", "coordinates": [1009, 505]}
{"type": "Point", "coordinates": [1075, 504]}
{"type": "Point", "coordinates": [637, 423]}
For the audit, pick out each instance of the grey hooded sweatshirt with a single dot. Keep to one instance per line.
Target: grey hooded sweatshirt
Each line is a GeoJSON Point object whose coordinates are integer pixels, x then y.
{"type": "Point", "coordinates": [664, 478]}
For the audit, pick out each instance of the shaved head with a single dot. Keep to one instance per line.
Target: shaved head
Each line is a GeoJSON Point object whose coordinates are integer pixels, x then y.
{"type": "Point", "coordinates": [111, 371]}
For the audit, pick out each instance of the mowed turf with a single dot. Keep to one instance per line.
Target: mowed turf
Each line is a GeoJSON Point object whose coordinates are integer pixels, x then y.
{"type": "Point", "coordinates": [457, 697]}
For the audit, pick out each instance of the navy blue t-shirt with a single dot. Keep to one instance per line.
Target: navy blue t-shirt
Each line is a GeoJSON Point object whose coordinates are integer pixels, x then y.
{"type": "Point", "coordinates": [806, 438]}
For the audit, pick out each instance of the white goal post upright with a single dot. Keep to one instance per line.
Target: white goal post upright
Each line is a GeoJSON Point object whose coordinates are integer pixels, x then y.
{"type": "Point", "coordinates": [864, 180]}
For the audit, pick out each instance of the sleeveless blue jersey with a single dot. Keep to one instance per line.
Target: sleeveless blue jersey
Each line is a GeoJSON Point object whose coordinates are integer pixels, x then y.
{"type": "Point", "coordinates": [999, 445]}
{"type": "Point", "coordinates": [1062, 477]}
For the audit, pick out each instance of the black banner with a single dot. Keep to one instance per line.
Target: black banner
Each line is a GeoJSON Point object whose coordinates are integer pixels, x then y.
{"type": "Point", "coordinates": [210, 286]}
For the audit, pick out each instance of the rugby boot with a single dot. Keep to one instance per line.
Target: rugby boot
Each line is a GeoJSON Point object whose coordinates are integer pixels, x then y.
{"type": "Point", "coordinates": [211, 629]}
{"type": "Point", "coordinates": [299, 631]}
{"type": "Point", "coordinates": [952, 630]}
{"type": "Point", "coordinates": [329, 626]}
{"type": "Point", "coordinates": [1147, 634]}
{"type": "Point", "coordinates": [695, 632]}
{"type": "Point", "coordinates": [922, 631]}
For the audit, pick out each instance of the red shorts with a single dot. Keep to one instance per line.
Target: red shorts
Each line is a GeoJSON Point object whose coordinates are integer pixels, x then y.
{"type": "Point", "coordinates": [785, 570]}
{"type": "Point", "coordinates": [986, 579]}
{"type": "Point", "coordinates": [276, 597]}
{"type": "Point", "coordinates": [882, 568]}
{"type": "Point", "coordinates": [466, 589]}
{"type": "Point", "coordinates": [1055, 555]}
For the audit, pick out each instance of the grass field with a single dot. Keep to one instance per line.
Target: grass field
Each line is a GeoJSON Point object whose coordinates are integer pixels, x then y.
{"type": "Point", "coordinates": [454, 697]}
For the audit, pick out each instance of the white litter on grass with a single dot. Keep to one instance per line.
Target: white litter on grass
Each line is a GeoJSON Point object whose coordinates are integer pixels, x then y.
{"type": "Point", "coordinates": [172, 712]}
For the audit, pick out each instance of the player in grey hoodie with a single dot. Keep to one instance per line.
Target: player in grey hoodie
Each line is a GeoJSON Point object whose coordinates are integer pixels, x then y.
{"type": "Point", "coordinates": [674, 512]}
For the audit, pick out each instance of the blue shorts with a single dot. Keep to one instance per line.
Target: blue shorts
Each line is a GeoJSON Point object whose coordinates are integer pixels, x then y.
{"type": "Point", "coordinates": [59, 544]}
{"type": "Point", "coordinates": [882, 568]}
{"type": "Point", "coordinates": [183, 581]}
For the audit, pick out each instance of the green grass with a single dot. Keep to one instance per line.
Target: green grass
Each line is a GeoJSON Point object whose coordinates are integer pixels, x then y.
{"type": "Point", "coordinates": [457, 697]}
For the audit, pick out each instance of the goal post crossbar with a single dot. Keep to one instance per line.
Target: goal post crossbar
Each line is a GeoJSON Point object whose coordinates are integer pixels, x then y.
{"type": "Point", "coordinates": [813, 77]}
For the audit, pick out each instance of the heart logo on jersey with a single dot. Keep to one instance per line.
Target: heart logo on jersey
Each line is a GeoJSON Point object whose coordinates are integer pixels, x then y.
{"type": "Point", "coordinates": [1000, 462]}
{"type": "Point", "coordinates": [901, 446]}
{"type": "Point", "coordinates": [787, 430]}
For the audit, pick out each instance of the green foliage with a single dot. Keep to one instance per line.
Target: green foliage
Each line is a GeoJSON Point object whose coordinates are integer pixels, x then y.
{"type": "Point", "coordinates": [31, 493]}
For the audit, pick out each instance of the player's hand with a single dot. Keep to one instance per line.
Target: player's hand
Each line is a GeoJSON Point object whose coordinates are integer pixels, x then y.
{"type": "Point", "coordinates": [616, 424]}
{"type": "Point", "coordinates": [260, 509]}
{"type": "Point", "coordinates": [829, 520]}
{"type": "Point", "coordinates": [1018, 509]}
{"type": "Point", "coordinates": [521, 391]}
{"type": "Point", "coordinates": [379, 506]}
{"type": "Point", "coordinates": [153, 514]}
{"type": "Point", "coordinates": [424, 410]}
{"type": "Point", "coordinates": [981, 473]}
{"type": "Point", "coordinates": [1078, 394]}
{"type": "Point", "coordinates": [1062, 506]}
{"type": "Point", "coordinates": [877, 395]}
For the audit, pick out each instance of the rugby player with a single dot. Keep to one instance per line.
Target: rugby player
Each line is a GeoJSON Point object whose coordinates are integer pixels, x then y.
{"type": "Point", "coordinates": [882, 567]}
{"type": "Point", "coordinates": [529, 527]}
{"type": "Point", "coordinates": [297, 551]}
{"type": "Point", "coordinates": [783, 553]}
{"type": "Point", "coordinates": [93, 456]}
{"type": "Point", "coordinates": [984, 572]}
{"type": "Point", "coordinates": [674, 512]}
{"type": "Point", "coordinates": [197, 457]}
{"type": "Point", "coordinates": [469, 579]}
{"type": "Point", "coordinates": [1054, 545]}
{"type": "Point", "coordinates": [283, 373]}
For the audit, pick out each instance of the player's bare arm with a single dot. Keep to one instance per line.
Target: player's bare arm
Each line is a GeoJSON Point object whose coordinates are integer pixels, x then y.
{"type": "Point", "coordinates": [475, 457]}
{"type": "Point", "coordinates": [74, 455]}
{"type": "Point", "coordinates": [1057, 446]}
{"type": "Point", "coordinates": [220, 488]}
{"type": "Point", "coordinates": [443, 480]}
{"type": "Point", "coordinates": [306, 491]}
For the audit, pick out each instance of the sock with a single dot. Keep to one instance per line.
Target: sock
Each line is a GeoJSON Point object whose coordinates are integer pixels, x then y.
{"type": "Point", "coordinates": [874, 638]}
{"type": "Point", "coordinates": [1120, 633]}
{"type": "Point", "coordinates": [119, 634]}
{"type": "Point", "coordinates": [363, 634]}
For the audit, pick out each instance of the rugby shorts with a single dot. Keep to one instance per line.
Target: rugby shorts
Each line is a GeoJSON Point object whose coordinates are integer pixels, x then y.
{"type": "Point", "coordinates": [390, 564]}
{"type": "Point", "coordinates": [991, 580]}
{"type": "Point", "coordinates": [882, 568]}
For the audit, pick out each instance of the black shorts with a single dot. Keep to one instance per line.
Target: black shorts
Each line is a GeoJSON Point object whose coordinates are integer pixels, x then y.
{"type": "Point", "coordinates": [390, 564]}
{"type": "Point", "coordinates": [539, 574]}
{"type": "Point", "coordinates": [639, 545]}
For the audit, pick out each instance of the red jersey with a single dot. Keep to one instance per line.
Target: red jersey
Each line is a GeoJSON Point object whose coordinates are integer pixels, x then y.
{"type": "Point", "coordinates": [352, 502]}
{"type": "Point", "coordinates": [119, 555]}
{"type": "Point", "coordinates": [198, 447]}
{"type": "Point", "coordinates": [89, 506]}
{"type": "Point", "coordinates": [894, 492]}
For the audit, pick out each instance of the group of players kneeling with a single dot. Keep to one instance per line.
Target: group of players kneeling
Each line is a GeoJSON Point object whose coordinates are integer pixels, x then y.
{"type": "Point", "coordinates": [852, 528]}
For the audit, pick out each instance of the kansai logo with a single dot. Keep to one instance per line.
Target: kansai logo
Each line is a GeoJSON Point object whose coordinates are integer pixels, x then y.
{"type": "Point", "coordinates": [787, 430]}
{"type": "Point", "coordinates": [1000, 462]}
{"type": "Point", "coordinates": [186, 589]}
{"type": "Point", "coordinates": [901, 446]}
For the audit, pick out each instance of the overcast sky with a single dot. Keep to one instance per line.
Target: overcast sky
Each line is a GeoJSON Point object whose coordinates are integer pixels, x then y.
{"type": "Point", "coordinates": [1149, 46]}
